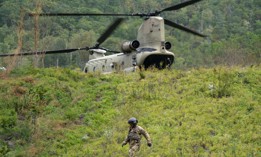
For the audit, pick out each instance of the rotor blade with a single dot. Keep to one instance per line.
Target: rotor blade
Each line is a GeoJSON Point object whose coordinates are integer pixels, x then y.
{"type": "Point", "coordinates": [173, 24]}
{"type": "Point", "coordinates": [79, 14]}
{"type": "Point", "coordinates": [109, 31]}
{"type": "Point", "coordinates": [42, 52]}
{"type": "Point", "coordinates": [180, 5]}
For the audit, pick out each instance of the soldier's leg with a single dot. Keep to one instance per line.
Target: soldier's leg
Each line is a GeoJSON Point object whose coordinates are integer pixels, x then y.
{"type": "Point", "coordinates": [133, 149]}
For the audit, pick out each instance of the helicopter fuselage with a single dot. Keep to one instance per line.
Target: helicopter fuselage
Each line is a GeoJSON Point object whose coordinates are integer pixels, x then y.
{"type": "Point", "coordinates": [152, 51]}
{"type": "Point", "coordinates": [130, 62]}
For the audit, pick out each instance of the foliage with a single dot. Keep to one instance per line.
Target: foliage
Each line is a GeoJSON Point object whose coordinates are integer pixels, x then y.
{"type": "Point", "coordinates": [62, 112]}
{"type": "Point", "coordinates": [233, 28]}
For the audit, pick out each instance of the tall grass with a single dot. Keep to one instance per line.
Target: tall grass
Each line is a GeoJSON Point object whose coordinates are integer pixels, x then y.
{"type": "Point", "coordinates": [201, 112]}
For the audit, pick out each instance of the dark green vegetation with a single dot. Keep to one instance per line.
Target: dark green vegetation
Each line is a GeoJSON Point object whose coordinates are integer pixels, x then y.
{"type": "Point", "coordinates": [60, 112]}
{"type": "Point", "coordinates": [233, 26]}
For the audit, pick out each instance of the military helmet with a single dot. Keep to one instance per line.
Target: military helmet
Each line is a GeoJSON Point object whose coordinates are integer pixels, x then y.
{"type": "Point", "coordinates": [132, 121]}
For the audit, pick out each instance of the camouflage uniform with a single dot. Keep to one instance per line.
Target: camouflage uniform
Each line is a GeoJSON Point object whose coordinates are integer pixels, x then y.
{"type": "Point", "coordinates": [134, 138]}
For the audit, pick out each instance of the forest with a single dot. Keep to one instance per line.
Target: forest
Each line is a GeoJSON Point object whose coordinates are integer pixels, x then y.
{"type": "Point", "coordinates": [233, 28]}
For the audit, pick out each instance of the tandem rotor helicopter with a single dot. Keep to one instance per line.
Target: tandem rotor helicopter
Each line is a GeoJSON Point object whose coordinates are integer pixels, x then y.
{"type": "Point", "coordinates": [149, 49]}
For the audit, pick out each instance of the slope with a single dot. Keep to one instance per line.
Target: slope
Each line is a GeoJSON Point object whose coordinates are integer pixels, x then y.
{"type": "Point", "coordinates": [61, 112]}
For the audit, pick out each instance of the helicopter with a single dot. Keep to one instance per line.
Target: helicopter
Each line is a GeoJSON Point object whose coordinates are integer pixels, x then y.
{"type": "Point", "coordinates": [149, 49]}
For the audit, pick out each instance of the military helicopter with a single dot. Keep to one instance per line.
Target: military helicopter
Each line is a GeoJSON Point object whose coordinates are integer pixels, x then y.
{"type": "Point", "coordinates": [149, 49]}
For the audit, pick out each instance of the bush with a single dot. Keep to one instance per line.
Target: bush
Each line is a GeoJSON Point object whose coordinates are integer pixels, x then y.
{"type": "Point", "coordinates": [8, 118]}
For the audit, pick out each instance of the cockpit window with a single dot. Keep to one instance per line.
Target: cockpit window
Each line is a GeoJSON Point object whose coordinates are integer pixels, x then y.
{"type": "Point", "coordinates": [148, 49]}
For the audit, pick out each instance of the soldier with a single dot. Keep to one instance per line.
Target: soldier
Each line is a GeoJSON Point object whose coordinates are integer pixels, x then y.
{"type": "Point", "coordinates": [134, 137]}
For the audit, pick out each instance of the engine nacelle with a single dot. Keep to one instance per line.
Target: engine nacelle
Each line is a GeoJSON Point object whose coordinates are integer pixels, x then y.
{"type": "Point", "coordinates": [129, 46]}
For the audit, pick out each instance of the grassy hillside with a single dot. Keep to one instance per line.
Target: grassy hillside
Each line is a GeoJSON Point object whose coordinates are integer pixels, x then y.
{"type": "Point", "coordinates": [60, 112]}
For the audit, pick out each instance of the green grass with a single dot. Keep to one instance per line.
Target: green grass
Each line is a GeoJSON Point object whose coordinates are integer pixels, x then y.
{"type": "Point", "coordinates": [201, 112]}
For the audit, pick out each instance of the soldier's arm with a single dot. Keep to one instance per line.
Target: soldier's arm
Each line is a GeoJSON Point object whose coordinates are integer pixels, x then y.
{"type": "Point", "coordinates": [126, 139]}
{"type": "Point", "coordinates": [145, 134]}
